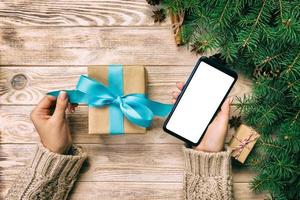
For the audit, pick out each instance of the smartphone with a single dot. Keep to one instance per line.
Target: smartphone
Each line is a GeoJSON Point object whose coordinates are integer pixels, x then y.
{"type": "Point", "coordinates": [199, 101]}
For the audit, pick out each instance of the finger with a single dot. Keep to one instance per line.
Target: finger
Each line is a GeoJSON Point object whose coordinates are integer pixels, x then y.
{"type": "Point", "coordinates": [46, 102]}
{"type": "Point", "coordinates": [225, 108]}
{"type": "Point", "coordinates": [43, 107]}
{"type": "Point", "coordinates": [173, 100]}
{"type": "Point", "coordinates": [231, 99]}
{"type": "Point", "coordinates": [74, 104]}
{"type": "Point", "coordinates": [61, 105]}
{"type": "Point", "coordinates": [180, 85]}
{"type": "Point", "coordinates": [42, 110]}
{"type": "Point", "coordinates": [175, 94]}
{"type": "Point", "coordinates": [72, 107]}
{"type": "Point", "coordinates": [223, 115]}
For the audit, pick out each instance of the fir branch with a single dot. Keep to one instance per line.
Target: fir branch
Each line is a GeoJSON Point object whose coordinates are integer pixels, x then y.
{"type": "Point", "coordinates": [255, 24]}
{"type": "Point", "coordinates": [268, 59]}
{"type": "Point", "coordinates": [291, 84]}
{"type": "Point", "coordinates": [280, 10]}
{"type": "Point", "coordinates": [242, 102]}
{"type": "Point", "coordinates": [296, 117]}
{"type": "Point", "coordinates": [257, 183]}
{"type": "Point", "coordinates": [271, 145]}
{"type": "Point", "coordinates": [222, 15]}
{"type": "Point", "coordinates": [277, 90]}
{"type": "Point", "coordinates": [266, 113]}
{"type": "Point", "coordinates": [295, 7]}
{"type": "Point", "coordinates": [289, 68]}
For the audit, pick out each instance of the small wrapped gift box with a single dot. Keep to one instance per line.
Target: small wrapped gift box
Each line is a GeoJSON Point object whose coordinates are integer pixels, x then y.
{"type": "Point", "coordinates": [243, 142]}
{"type": "Point", "coordinates": [125, 80]}
{"type": "Point", "coordinates": [116, 98]}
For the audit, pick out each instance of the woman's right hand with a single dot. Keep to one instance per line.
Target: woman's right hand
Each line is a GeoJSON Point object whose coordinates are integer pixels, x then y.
{"type": "Point", "coordinates": [53, 129]}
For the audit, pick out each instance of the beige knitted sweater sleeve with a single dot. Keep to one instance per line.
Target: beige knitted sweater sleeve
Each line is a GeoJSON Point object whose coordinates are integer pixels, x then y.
{"type": "Point", "coordinates": [207, 175]}
{"type": "Point", "coordinates": [49, 176]}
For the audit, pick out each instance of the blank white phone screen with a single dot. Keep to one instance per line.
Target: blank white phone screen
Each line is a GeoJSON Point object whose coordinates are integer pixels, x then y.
{"type": "Point", "coordinates": [199, 102]}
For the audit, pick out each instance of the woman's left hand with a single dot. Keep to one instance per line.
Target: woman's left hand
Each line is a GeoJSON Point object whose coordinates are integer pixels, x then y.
{"type": "Point", "coordinates": [214, 138]}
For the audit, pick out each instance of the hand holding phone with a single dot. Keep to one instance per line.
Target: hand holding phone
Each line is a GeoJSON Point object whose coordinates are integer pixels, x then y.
{"type": "Point", "coordinates": [214, 138]}
{"type": "Point", "coordinates": [200, 101]}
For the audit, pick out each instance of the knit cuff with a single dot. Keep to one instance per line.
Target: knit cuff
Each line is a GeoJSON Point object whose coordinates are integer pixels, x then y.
{"type": "Point", "coordinates": [207, 164]}
{"type": "Point", "coordinates": [49, 164]}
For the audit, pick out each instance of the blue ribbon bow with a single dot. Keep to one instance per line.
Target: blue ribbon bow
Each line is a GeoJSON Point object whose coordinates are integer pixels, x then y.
{"type": "Point", "coordinates": [137, 108]}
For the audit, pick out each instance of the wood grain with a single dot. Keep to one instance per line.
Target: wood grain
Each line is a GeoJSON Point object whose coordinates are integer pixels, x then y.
{"type": "Point", "coordinates": [40, 80]}
{"type": "Point", "coordinates": [119, 163]}
{"type": "Point", "coordinates": [76, 13]}
{"type": "Point", "coordinates": [137, 190]}
{"type": "Point", "coordinates": [16, 127]}
{"type": "Point", "coordinates": [83, 45]}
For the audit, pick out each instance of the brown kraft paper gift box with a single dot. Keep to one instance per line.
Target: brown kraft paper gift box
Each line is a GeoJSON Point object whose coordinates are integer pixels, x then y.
{"type": "Point", "coordinates": [134, 81]}
{"type": "Point", "coordinates": [243, 142]}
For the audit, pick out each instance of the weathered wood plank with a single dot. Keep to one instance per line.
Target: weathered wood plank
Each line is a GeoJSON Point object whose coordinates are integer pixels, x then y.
{"type": "Point", "coordinates": [76, 13]}
{"type": "Point", "coordinates": [148, 191]}
{"type": "Point", "coordinates": [27, 85]}
{"type": "Point", "coordinates": [16, 127]}
{"type": "Point", "coordinates": [140, 190]}
{"type": "Point", "coordinates": [110, 162]}
{"type": "Point", "coordinates": [130, 162]}
{"type": "Point", "coordinates": [83, 45]}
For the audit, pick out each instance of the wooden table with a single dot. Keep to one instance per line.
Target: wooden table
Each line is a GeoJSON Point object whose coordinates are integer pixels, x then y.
{"type": "Point", "coordinates": [46, 44]}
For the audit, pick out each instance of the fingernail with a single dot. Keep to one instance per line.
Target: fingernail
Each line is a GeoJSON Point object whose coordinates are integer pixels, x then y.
{"type": "Point", "coordinates": [62, 95]}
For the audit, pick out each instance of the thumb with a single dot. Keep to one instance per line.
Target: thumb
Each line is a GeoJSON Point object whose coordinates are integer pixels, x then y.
{"type": "Point", "coordinates": [225, 108]}
{"type": "Point", "coordinates": [61, 105]}
{"type": "Point", "coordinates": [223, 115]}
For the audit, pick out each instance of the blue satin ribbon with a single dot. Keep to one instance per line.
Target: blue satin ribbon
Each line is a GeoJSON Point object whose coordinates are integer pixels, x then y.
{"type": "Point", "coordinates": [115, 83]}
{"type": "Point", "coordinates": [137, 108]}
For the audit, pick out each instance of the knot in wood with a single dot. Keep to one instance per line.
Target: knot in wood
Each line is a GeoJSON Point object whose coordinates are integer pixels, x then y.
{"type": "Point", "coordinates": [18, 81]}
